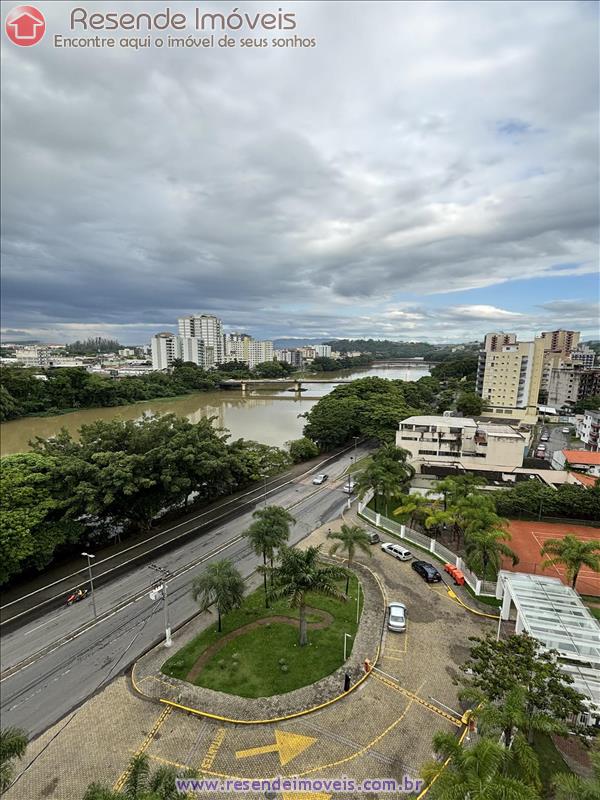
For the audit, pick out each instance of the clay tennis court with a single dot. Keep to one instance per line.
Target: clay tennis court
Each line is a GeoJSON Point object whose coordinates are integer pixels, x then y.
{"type": "Point", "coordinates": [528, 537]}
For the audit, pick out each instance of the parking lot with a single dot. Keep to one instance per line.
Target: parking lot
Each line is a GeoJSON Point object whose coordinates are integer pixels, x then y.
{"type": "Point", "coordinates": [383, 729]}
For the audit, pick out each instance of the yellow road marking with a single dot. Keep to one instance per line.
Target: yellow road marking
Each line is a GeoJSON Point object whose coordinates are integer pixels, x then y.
{"type": "Point", "coordinates": [120, 782]}
{"type": "Point", "coordinates": [306, 796]}
{"type": "Point", "coordinates": [213, 749]}
{"type": "Point", "coordinates": [419, 700]}
{"type": "Point", "coordinates": [288, 745]}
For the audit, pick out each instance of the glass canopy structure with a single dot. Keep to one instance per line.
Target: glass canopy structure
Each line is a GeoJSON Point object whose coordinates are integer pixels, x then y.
{"type": "Point", "coordinates": [553, 614]}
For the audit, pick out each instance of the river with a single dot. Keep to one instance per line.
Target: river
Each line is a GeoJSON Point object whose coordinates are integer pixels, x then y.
{"type": "Point", "coordinates": [268, 415]}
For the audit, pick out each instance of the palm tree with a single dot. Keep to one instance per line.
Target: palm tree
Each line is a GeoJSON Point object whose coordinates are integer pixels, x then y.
{"type": "Point", "coordinates": [475, 772]}
{"type": "Point", "coordinates": [142, 784]}
{"type": "Point", "coordinates": [415, 506]}
{"type": "Point", "coordinates": [484, 548]}
{"type": "Point", "coordinates": [269, 531]}
{"type": "Point", "coordinates": [573, 553]}
{"type": "Point", "coordinates": [220, 584]}
{"type": "Point", "coordinates": [572, 787]}
{"type": "Point", "coordinates": [350, 538]}
{"type": "Point", "coordinates": [300, 572]}
{"type": "Point", "coordinates": [13, 743]}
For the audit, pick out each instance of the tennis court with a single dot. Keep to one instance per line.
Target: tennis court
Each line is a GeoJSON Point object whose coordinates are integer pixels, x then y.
{"type": "Point", "coordinates": [528, 537]}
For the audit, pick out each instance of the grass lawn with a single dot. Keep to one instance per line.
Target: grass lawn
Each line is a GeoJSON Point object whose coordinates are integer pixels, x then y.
{"type": "Point", "coordinates": [551, 762]}
{"type": "Point", "coordinates": [268, 660]}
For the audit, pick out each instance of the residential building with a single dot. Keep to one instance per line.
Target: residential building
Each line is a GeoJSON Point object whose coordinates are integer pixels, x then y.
{"type": "Point", "coordinates": [570, 384]}
{"type": "Point", "coordinates": [583, 356]}
{"type": "Point", "coordinates": [242, 347]}
{"type": "Point", "coordinates": [290, 356]}
{"type": "Point", "coordinates": [127, 352]}
{"type": "Point", "coordinates": [192, 349]}
{"type": "Point", "coordinates": [208, 328]}
{"type": "Point", "coordinates": [560, 341]}
{"type": "Point", "coordinates": [558, 348]}
{"type": "Point", "coordinates": [322, 350]}
{"type": "Point", "coordinates": [308, 354]}
{"type": "Point", "coordinates": [588, 430]}
{"type": "Point", "coordinates": [461, 441]}
{"type": "Point", "coordinates": [509, 375]}
{"type": "Point", "coordinates": [166, 347]}
{"type": "Point", "coordinates": [583, 460]}
{"type": "Point", "coordinates": [34, 356]}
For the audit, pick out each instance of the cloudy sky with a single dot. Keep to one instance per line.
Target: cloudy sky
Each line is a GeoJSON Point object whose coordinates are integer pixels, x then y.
{"type": "Point", "coordinates": [427, 171]}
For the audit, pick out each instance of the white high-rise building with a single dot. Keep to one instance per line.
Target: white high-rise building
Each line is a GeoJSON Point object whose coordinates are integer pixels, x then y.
{"type": "Point", "coordinates": [192, 349]}
{"type": "Point", "coordinates": [323, 350]}
{"type": "Point", "coordinates": [166, 347]}
{"type": "Point", "coordinates": [210, 330]}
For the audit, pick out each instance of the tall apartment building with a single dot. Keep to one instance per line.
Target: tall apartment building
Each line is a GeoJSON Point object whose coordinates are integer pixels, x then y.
{"type": "Point", "coordinates": [192, 349]}
{"type": "Point", "coordinates": [560, 341]}
{"type": "Point", "coordinates": [290, 356]}
{"type": "Point", "coordinates": [509, 374]}
{"type": "Point", "coordinates": [242, 347]}
{"type": "Point", "coordinates": [583, 356]}
{"type": "Point", "coordinates": [323, 350]}
{"type": "Point", "coordinates": [34, 356]}
{"type": "Point", "coordinates": [569, 384]}
{"type": "Point", "coordinates": [166, 347]}
{"type": "Point", "coordinates": [210, 330]}
{"type": "Point", "coordinates": [558, 348]}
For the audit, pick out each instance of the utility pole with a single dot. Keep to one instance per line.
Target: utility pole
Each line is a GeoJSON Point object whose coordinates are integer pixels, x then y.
{"type": "Point", "coordinates": [89, 556]}
{"type": "Point", "coordinates": [161, 589]}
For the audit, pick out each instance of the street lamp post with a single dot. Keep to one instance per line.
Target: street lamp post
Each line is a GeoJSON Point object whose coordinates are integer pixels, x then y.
{"type": "Point", "coordinates": [89, 556]}
{"type": "Point", "coordinates": [162, 588]}
{"type": "Point", "coordinates": [499, 623]}
{"type": "Point", "coordinates": [356, 438]}
{"type": "Point", "coordinates": [357, 598]}
{"type": "Point", "coordinates": [346, 637]}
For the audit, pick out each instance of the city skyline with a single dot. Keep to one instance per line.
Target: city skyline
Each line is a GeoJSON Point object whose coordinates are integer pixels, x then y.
{"type": "Point", "coordinates": [441, 185]}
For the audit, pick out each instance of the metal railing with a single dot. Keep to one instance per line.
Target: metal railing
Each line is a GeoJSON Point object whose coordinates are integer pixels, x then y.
{"type": "Point", "coordinates": [478, 586]}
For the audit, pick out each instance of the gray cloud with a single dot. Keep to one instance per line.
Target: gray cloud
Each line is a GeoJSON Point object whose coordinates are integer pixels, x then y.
{"type": "Point", "coordinates": [419, 148]}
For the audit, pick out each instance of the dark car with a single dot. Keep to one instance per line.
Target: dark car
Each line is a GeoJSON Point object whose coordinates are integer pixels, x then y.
{"type": "Point", "coordinates": [427, 571]}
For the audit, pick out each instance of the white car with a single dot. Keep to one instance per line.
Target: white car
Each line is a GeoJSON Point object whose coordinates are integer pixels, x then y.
{"type": "Point", "coordinates": [541, 447]}
{"type": "Point", "coordinates": [401, 553]}
{"type": "Point", "coordinates": [566, 430]}
{"type": "Point", "coordinates": [319, 479]}
{"type": "Point", "coordinates": [397, 617]}
{"type": "Point", "coordinates": [348, 487]}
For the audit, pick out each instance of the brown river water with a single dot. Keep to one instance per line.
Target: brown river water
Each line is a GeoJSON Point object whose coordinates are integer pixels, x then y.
{"type": "Point", "coordinates": [268, 415]}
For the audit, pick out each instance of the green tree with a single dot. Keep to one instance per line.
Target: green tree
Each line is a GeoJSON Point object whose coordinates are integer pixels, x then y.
{"type": "Point", "coordinates": [269, 531]}
{"type": "Point", "coordinates": [142, 784]}
{"type": "Point", "coordinates": [272, 369]}
{"type": "Point", "coordinates": [574, 787]}
{"type": "Point", "coordinates": [573, 554]}
{"type": "Point", "coordinates": [470, 404]}
{"type": "Point", "coordinates": [300, 572]}
{"type": "Point", "coordinates": [497, 667]}
{"type": "Point", "coordinates": [221, 584]}
{"type": "Point", "coordinates": [302, 450]}
{"type": "Point", "coordinates": [32, 523]}
{"type": "Point", "coordinates": [476, 773]}
{"type": "Point", "coordinates": [484, 549]}
{"type": "Point", "coordinates": [13, 743]}
{"type": "Point", "coordinates": [350, 539]}
{"type": "Point", "coordinates": [414, 508]}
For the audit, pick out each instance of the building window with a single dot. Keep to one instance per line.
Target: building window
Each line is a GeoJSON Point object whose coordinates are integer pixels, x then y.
{"type": "Point", "coordinates": [428, 452]}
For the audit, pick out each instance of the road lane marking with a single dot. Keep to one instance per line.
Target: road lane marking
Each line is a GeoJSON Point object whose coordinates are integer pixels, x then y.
{"type": "Point", "coordinates": [120, 782]}
{"type": "Point", "coordinates": [287, 745]}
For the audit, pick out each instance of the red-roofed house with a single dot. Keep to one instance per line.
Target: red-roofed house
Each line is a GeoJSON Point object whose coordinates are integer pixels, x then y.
{"type": "Point", "coordinates": [582, 460]}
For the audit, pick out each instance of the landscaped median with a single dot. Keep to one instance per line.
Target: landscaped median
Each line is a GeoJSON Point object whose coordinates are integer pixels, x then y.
{"type": "Point", "coordinates": [255, 670]}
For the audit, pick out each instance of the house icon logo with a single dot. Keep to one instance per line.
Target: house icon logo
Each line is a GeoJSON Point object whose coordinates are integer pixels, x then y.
{"type": "Point", "coordinates": [25, 25]}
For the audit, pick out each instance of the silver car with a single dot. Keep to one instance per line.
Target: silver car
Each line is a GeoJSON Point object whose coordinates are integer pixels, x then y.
{"type": "Point", "coordinates": [397, 617]}
{"type": "Point", "coordinates": [319, 479]}
{"type": "Point", "coordinates": [396, 550]}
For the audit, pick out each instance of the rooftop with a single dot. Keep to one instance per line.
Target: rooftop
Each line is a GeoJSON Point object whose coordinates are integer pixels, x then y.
{"type": "Point", "coordinates": [554, 614]}
{"type": "Point", "coordinates": [582, 457]}
{"type": "Point", "coordinates": [491, 428]}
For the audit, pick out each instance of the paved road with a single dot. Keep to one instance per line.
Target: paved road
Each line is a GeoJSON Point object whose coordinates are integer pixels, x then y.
{"type": "Point", "coordinates": [42, 692]}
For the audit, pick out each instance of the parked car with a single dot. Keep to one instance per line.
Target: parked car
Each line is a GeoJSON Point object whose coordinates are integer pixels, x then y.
{"type": "Point", "coordinates": [541, 447]}
{"type": "Point", "coordinates": [396, 550]}
{"type": "Point", "coordinates": [319, 479]}
{"type": "Point", "coordinates": [427, 571]}
{"type": "Point", "coordinates": [397, 617]}
{"type": "Point", "coordinates": [374, 538]}
{"type": "Point", "coordinates": [544, 438]}
{"type": "Point", "coordinates": [540, 454]}
{"type": "Point", "coordinates": [348, 487]}
{"type": "Point", "coordinates": [566, 430]}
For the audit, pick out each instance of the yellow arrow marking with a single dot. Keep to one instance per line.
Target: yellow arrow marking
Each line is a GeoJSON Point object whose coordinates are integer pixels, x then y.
{"type": "Point", "coordinates": [288, 745]}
